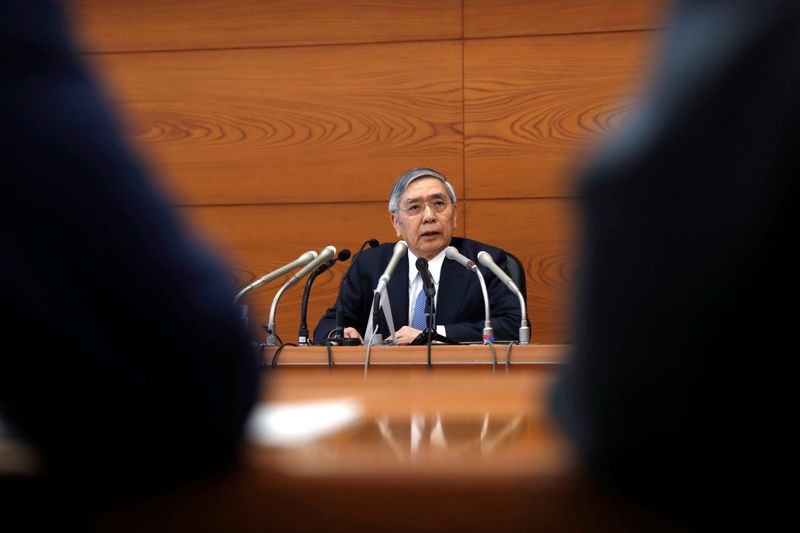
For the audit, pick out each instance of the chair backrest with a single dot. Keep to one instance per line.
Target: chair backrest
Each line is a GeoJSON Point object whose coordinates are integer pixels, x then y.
{"type": "Point", "coordinates": [517, 273]}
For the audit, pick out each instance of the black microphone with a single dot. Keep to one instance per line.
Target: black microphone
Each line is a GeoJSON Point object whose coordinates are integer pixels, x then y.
{"type": "Point", "coordinates": [425, 274]}
{"type": "Point", "coordinates": [302, 333]}
{"type": "Point", "coordinates": [430, 290]}
{"type": "Point", "coordinates": [339, 331]}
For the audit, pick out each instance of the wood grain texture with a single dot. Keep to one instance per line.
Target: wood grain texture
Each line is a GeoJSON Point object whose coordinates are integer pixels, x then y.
{"type": "Point", "coordinates": [541, 233]}
{"type": "Point", "coordinates": [309, 124]}
{"type": "Point", "coordinates": [499, 18]}
{"type": "Point", "coordinates": [535, 106]}
{"type": "Point", "coordinates": [446, 356]}
{"type": "Point", "coordinates": [136, 25]}
{"type": "Point", "coordinates": [275, 151]}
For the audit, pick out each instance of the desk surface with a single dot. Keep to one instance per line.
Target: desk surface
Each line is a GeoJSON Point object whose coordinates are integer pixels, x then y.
{"type": "Point", "coordinates": [441, 355]}
{"type": "Point", "coordinates": [423, 450]}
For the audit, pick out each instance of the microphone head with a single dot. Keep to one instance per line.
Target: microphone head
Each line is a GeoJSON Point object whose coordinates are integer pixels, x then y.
{"type": "Point", "coordinates": [307, 257]}
{"type": "Point", "coordinates": [344, 255]}
{"type": "Point", "coordinates": [400, 249]}
{"type": "Point", "coordinates": [422, 263]}
{"type": "Point", "coordinates": [327, 252]}
{"type": "Point", "coordinates": [485, 258]}
{"type": "Point", "coordinates": [452, 253]}
{"type": "Point", "coordinates": [372, 243]}
{"type": "Point", "coordinates": [324, 255]}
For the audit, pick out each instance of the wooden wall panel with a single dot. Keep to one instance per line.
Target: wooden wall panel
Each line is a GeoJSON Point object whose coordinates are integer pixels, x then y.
{"type": "Point", "coordinates": [497, 18]}
{"type": "Point", "coordinates": [258, 239]}
{"type": "Point", "coordinates": [279, 126]}
{"type": "Point", "coordinates": [541, 234]}
{"type": "Point", "coordinates": [136, 25]}
{"type": "Point", "coordinates": [307, 124]}
{"type": "Point", "coordinates": [535, 105]}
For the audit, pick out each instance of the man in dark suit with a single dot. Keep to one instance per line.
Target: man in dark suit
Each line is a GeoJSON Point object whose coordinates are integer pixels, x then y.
{"type": "Point", "coordinates": [681, 330]}
{"type": "Point", "coordinates": [423, 212]}
{"type": "Point", "coordinates": [123, 362]}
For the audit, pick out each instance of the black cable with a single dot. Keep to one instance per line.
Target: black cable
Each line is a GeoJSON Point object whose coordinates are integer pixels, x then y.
{"type": "Point", "coordinates": [508, 355]}
{"type": "Point", "coordinates": [330, 355]}
{"type": "Point", "coordinates": [302, 333]}
{"type": "Point", "coordinates": [277, 352]}
{"type": "Point", "coordinates": [260, 356]}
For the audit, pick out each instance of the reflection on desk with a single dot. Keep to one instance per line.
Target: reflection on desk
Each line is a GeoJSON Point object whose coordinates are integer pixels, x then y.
{"type": "Point", "coordinates": [445, 449]}
{"type": "Point", "coordinates": [416, 422]}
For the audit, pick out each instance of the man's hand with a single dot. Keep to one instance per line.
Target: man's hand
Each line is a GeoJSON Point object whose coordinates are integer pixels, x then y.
{"type": "Point", "coordinates": [406, 334]}
{"type": "Point", "coordinates": [352, 333]}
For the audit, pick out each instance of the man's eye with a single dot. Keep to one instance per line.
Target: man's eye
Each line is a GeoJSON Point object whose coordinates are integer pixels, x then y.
{"type": "Point", "coordinates": [413, 209]}
{"type": "Point", "coordinates": [438, 204]}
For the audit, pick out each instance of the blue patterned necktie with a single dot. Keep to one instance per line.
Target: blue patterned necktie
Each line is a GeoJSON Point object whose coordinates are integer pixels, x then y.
{"type": "Point", "coordinates": [418, 320]}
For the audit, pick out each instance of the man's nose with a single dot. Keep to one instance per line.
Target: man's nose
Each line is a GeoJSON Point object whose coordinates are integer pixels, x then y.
{"type": "Point", "coordinates": [427, 212]}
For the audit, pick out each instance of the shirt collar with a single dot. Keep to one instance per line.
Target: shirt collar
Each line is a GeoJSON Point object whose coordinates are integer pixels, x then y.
{"type": "Point", "coordinates": [434, 266]}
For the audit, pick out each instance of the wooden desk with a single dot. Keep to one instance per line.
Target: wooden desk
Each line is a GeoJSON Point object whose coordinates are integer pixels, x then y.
{"type": "Point", "coordinates": [441, 355]}
{"type": "Point", "coordinates": [430, 451]}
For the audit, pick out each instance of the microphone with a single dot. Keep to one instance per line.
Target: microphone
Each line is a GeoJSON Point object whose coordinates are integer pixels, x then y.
{"type": "Point", "coordinates": [323, 256]}
{"type": "Point", "coordinates": [399, 251]}
{"type": "Point", "coordinates": [430, 291]}
{"type": "Point", "coordinates": [452, 253]}
{"type": "Point", "coordinates": [524, 330]}
{"type": "Point", "coordinates": [302, 333]}
{"type": "Point", "coordinates": [427, 280]}
{"type": "Point", "coordinates": [285, 269]}
{"type": "Point", "coordinates": [339, 331]}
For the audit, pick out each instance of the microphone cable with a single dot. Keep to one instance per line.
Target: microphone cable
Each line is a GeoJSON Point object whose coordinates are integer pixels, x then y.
{"type": "Point", "coordinates": [302, 333]}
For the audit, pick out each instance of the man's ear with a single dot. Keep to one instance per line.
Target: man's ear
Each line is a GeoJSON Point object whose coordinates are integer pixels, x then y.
{"type": "Point", "coordinates": [395, 223]}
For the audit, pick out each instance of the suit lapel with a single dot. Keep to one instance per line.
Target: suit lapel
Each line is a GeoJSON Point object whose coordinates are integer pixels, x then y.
{"type": "Point", "coordinates": [397, 290]}
{"type": "Point", "coordinates": [452, 290]}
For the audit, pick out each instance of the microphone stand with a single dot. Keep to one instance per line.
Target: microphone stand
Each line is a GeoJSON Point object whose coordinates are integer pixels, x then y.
{"type": "Point", "coordinates": [429, 313]}
{"type": "Point", "coordinates": [488, 331]}
{"type": "Point", "coordinates": [377, 338]}
{"type": "Point", "coordinates": [422, 338]}
{"type": "Point", "coordinates": [302, 333]}
{"type": "Point", "coordinates": [430, 334]}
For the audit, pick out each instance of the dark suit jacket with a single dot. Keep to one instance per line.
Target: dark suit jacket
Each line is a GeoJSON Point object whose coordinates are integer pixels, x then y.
{"type": "Point", "coordinates": [460, 305]}
{"type": "Point", "coordinates": [122, 357]}
{"type": "Point", "coordinates": [684, 269]}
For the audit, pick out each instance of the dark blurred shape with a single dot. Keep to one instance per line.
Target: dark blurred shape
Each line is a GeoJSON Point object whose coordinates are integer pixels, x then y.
{"type": "Point", "coordinates": [123, 361]}
{"type": "Point", "coordinates": [685, 270]}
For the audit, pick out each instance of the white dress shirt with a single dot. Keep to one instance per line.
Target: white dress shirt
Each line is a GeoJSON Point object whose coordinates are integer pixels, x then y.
{"type": "Point", "coordinates": [415, 283]}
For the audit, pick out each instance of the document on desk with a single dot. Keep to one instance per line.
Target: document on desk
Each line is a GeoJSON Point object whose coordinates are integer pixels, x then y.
{"type": "Point", "coordinates": [290, 424]}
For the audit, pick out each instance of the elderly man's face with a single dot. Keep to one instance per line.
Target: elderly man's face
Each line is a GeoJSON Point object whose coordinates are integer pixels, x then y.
{"type": "Point", "coordinates": [426, 217]}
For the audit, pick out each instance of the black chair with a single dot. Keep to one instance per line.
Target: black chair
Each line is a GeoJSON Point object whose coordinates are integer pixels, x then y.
{"type": "Point", "coordinates": [517, 273]}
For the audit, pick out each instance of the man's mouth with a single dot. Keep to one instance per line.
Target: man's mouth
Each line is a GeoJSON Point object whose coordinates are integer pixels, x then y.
{"type": "Point", "coordinates": [429, 234]}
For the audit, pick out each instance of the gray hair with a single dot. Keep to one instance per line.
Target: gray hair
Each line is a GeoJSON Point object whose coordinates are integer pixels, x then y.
{"type": "Point", "coordinates": [408, 176]}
